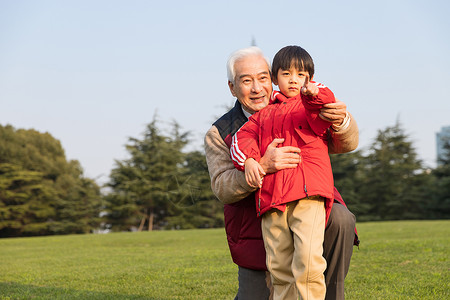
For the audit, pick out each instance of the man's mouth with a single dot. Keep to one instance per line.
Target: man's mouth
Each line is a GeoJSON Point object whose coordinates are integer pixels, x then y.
{"type": "Point", "coordinates": [258, 99]}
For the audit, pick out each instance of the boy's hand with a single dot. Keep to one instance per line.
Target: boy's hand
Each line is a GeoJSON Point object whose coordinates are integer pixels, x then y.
{"type": "Point", "coordinates": [253, 173]}
{"type": "Point", "coordinates": [309, 89]}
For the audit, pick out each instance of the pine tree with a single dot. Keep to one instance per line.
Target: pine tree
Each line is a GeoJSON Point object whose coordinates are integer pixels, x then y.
{"type": "Point", "coordinates": [160, 186]}
{"type": "Point", "coordinates": [440, 190]}
{"type": "Point", "coordinates": [197, 207]}
{"type": "Point", "coordinates": [394, 177]}
{"type": "Point", "coordinates": [348, 179]}
{"type": "Point", "coordinates": [144, 185]}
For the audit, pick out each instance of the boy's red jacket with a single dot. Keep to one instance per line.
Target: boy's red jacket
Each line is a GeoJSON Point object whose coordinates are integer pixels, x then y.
{"type": "Point", "coordinates": [297, 121]}
{"type": "Point", "coordinates": [243, 227]}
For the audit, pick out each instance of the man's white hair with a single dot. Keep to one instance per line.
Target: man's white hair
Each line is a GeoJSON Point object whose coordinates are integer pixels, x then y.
{"type": "Point", "coordinates": [239, 54]}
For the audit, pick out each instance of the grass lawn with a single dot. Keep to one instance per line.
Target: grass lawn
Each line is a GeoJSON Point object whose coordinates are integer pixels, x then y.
{"type": "Point", "coordinates": [396, 260]}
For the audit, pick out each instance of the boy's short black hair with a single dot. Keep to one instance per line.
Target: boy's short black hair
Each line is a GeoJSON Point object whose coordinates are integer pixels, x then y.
{"type": "Point", "coordinates": [293, 56]}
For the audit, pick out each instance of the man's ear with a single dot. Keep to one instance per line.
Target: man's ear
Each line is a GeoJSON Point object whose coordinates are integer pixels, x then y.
{"type": "Point", "coordinates": [231, 86]}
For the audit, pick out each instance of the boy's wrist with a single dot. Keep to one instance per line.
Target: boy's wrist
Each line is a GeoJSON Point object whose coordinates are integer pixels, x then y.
{"type": "Point", "coordinates": [248, 160]}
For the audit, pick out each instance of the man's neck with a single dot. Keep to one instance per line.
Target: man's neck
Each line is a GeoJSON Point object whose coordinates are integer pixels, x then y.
{"type": "Point", "coordinates": [246, 113]}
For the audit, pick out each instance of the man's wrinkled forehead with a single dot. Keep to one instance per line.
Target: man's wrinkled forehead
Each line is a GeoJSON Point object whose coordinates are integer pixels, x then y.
{"type": "Point", "coordinates": [251, 66]}
{"type": "Point", "coordinates": [253, 75]}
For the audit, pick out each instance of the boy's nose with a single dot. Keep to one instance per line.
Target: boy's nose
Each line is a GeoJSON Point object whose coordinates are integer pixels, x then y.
{"type": "Point", "coordinates": [293, 79]}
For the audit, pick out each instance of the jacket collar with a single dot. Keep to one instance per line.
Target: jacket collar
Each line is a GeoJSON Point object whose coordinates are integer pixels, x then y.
{"type": "Point", "coordinates": [278, 97]}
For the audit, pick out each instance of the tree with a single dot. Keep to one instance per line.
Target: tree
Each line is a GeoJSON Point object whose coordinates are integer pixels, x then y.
{"type": "Point", "coordinates": [440, 189]}
{"type": "Point", "coordinates": [80, 202]}
{"type": "Point", "coordinates": [394, 178]}
{"type": "Point", "coordinates": [41, 192]}
{"type": "Point", "coordinates": [144, 185]}
{"type": "Point", "coordinates": [196, 205]}
{"type": "Point", "coordinates": [348, 179]}
{"type": "Point", "coordinates": [24, 202]}
{"type": "Point", "coordinates": [160, 186]}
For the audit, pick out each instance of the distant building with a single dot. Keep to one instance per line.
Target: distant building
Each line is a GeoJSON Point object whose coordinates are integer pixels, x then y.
{"type": "Point", "coordinates": [441, 136]}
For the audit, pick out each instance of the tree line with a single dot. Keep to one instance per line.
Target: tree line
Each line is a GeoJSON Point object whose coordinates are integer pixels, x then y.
{"type": "Point", "coordinates": [162, 186]}
{"type": "Point", "coordinates": [390, 182]}
{"type": "Point", "coordinates": [42, 193]}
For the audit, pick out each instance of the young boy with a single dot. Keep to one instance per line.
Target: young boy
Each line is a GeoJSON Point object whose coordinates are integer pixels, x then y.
{"type": "Point", "coordinates": [294, 203]}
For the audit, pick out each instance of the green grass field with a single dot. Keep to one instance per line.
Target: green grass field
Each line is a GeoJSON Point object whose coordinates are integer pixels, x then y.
{"type": "Point", "coordinates": [396, 260]}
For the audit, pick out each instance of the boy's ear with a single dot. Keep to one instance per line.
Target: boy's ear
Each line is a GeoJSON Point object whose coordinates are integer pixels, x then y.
{"type": "Point", "coordinates": [231, 86]}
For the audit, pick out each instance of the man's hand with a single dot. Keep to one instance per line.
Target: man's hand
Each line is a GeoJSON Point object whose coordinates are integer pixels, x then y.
{"type": "Point", "coordinates": [334, 112]}
{"type": "Point", "coordinates": [254, 173]}
{"type": "Point", "coordinates": [276, 159]}
{"type": "Point", "coordinates": [308, 88]}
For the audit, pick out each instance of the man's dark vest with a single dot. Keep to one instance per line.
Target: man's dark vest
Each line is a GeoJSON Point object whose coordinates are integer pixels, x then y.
{"type": "Point", "coordinates": [242, 225]}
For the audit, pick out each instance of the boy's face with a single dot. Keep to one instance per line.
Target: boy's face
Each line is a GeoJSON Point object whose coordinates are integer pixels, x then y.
{"type": "Point", "coordinates": [291, 81]}
{"type": "Point", "coordinates": [252, 85]}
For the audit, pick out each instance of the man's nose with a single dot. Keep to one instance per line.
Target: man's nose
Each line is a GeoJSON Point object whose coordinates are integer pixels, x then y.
{"type": "Point", "coordinates": [256, 87]}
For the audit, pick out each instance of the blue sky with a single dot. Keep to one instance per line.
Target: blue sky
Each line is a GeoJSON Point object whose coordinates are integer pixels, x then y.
{"type": "Point", "coordinates": [93, 73]}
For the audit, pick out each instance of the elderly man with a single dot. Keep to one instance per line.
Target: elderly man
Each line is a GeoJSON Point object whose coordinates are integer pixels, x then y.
{"type": "Point", "coordinates": [249, 81]}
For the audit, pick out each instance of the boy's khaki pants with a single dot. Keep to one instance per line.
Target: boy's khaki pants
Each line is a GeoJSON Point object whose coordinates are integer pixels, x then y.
{"type": "Point", "coordinates": [294, 246]}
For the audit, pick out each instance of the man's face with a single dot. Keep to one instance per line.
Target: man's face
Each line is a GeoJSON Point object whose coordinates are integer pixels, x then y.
{"type": "Point", "coordinates": [252, 85]}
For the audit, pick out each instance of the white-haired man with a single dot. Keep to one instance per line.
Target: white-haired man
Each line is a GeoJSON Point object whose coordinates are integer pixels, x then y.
{"type": "Point", "coordinates": [250, 82]}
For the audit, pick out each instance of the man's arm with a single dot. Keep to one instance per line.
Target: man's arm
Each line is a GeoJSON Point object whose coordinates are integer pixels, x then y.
{"type": "Point", "coordinates": [227, 183]}
{"type": "Point", "coordinates": [344, 135]}
{"type": "Point", "coordinates": [278, 158]}
{"type": "Point", "coordinates": [345, 140]}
